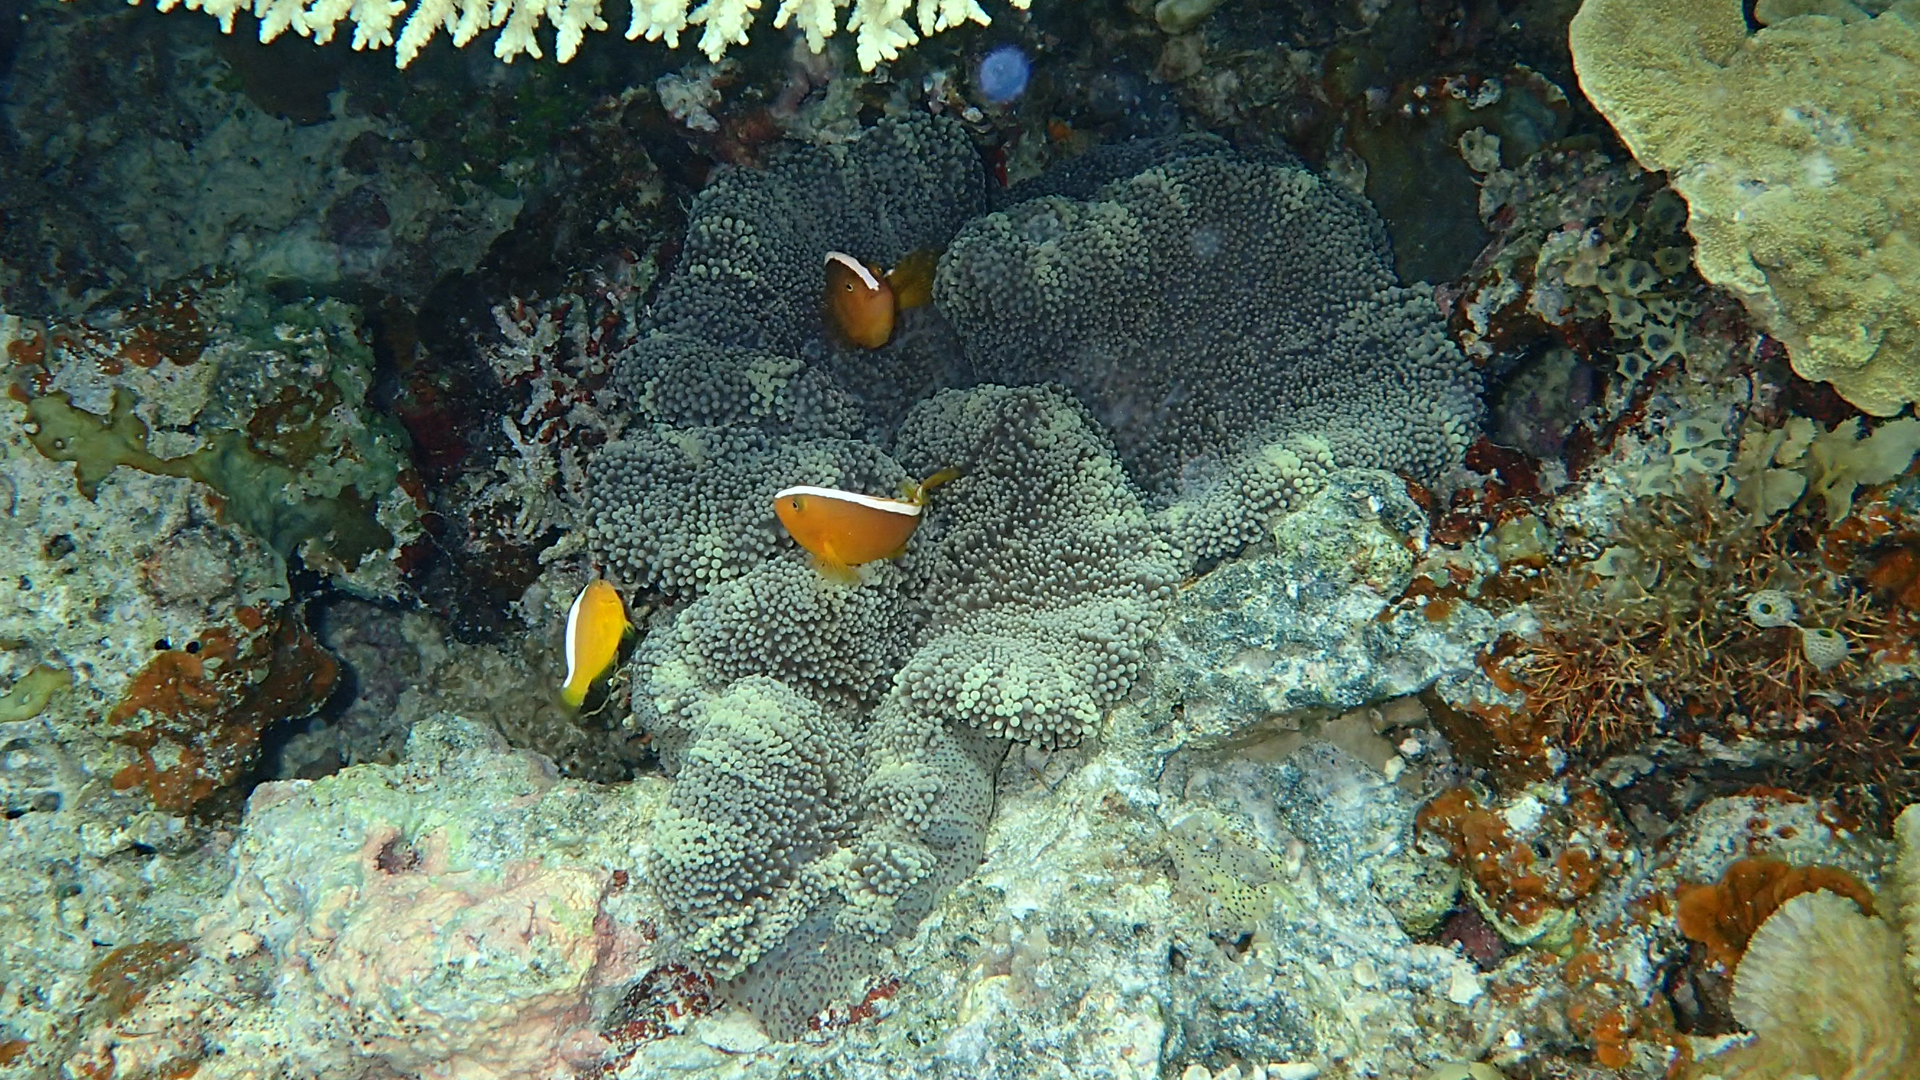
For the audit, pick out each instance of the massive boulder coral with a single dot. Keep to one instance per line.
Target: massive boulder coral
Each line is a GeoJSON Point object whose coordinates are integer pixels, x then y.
{"type": "Point", "coordinates": [451, 916]}
{"type": "Point", "coordinates": [1798, 192]}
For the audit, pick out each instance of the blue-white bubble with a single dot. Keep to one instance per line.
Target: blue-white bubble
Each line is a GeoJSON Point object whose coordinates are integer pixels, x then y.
{"type": "Point", "coordinates": [1002, 74]}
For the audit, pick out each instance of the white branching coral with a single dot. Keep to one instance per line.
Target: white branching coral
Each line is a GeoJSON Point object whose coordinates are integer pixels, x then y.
{"type": "Point", "coordinates": [880, 27]}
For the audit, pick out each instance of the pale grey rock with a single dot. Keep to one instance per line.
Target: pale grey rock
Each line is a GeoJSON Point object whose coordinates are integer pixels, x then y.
{"type": "Point", "coordinates": [1294, 631]}
{"type": "Point", "coordinates": [1797, 830]}
{"type": "Point", "coordinates": [96, 588]}
{"type": "Point", "coordinates": [1116, 929]}
{"type": "Point", "coordinates": [81, 876]}
{"type": "Point", "coordinates": [88, 589]}
{"type": "Point", "coordinates": [91, 586]}
{"type": "Point", "coordinates": [1360, 824]}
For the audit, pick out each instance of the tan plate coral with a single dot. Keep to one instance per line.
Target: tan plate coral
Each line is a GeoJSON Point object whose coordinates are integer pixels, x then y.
{"type": "Point", "coordinates": [1823, 990]}
{"type": "Point", "coordinates": [1792, 147]}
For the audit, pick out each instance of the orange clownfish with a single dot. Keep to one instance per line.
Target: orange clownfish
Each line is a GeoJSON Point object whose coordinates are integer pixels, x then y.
{"type": "Point", "coordinates": [862, 301]}
{"type": "Point", "coordinates": [842, 529]}
{"type": "Point", "coordinates": [596, 625]}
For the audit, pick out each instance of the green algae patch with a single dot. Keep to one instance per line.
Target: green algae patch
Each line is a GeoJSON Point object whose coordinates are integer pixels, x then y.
{"type": "Point", "coordinates": [32, 692]}
{"type": "Point", "coordinates": [96, 445]}
{"type": "Point", "coordinates": [275, 413]}
{"type": "Point", "coordinates": [253, 486]}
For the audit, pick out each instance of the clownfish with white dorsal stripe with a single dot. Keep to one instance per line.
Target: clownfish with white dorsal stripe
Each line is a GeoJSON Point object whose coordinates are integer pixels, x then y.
{"type": "Point", "coordinates": [596, 625]}
{"type": "Point", "coordinates": [862, 302]}
{"type": "Point", "coordinates": [842, 529]}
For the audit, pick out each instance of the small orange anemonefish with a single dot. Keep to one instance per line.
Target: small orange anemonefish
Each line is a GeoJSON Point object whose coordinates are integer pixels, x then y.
{"type": "Point", "coordinates": [596, 625]}
{"type": "Point", "coordinates": [862, 302]}
{"type": "Point", "coordinates": [842, 529]}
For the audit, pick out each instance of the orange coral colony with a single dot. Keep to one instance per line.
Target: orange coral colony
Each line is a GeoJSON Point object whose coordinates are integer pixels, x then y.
{"type": "Point", "coordinates": [1723, 915]}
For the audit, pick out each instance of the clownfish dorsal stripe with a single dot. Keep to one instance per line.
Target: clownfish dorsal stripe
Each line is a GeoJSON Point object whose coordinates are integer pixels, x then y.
{"type": "Point", "coordinates": [871, 502]}
{"type": "Point", "coordinates": [573, 634]}
{"type": "Point", "coordinates": [859, 268]}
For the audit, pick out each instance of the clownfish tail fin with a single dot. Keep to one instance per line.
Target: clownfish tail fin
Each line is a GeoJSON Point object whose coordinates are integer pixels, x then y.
{"type": "Point", "coordinates": [912, 279]}
{"type": "Point", "coordinates": [917, 493]}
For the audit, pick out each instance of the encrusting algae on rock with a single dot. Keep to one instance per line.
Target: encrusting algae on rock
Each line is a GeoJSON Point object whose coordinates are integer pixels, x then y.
{"type": "Point", "coordinates": [1823, 989]}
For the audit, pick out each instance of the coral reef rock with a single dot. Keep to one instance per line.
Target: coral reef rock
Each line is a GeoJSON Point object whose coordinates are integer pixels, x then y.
{"type": "Point", "coordinates": [451, 916]}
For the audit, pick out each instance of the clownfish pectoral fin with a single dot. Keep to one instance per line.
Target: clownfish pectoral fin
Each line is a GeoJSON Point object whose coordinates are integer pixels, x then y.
{"type": "Point", "coordinates": [837, 572]}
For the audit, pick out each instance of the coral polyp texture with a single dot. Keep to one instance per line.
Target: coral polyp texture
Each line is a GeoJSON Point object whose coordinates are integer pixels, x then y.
{"type": "Point", "coordinates": [880, 27]}
{"type": "Point", "coordinates": [1798, 193]}
{"type": "Point", "coordinates": [1207, 267]}
{"type": "Point", "coordinates": [833, 745]}
{"type": "Point", "coordinates": [1235, 324]}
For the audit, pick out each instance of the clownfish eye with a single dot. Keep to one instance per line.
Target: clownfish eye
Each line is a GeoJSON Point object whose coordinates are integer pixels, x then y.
{"type": "Point", "coordinates": [795, 501]}
{"type": "Point", "coordinates": [849, 286]}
